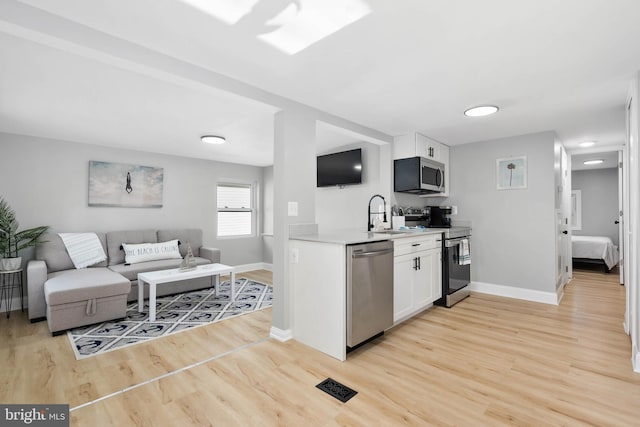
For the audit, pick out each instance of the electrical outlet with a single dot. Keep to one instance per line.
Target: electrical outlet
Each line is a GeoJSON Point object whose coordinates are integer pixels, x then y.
{"type": "Point", "coordinates": [294, 255]}
{"type": "Point", "coordinates": [454, 210]}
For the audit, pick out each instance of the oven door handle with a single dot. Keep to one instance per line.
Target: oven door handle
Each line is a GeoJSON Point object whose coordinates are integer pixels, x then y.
{"type": "Point", "coordinates": [454, 242]}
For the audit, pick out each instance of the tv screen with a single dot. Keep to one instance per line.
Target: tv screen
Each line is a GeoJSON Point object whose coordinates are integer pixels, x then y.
{"type": "Point", "coordinates": [342, 168]}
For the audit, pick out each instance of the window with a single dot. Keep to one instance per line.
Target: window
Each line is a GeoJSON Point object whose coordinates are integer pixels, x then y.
{"type": "Point", "coordinates": [235, 210]}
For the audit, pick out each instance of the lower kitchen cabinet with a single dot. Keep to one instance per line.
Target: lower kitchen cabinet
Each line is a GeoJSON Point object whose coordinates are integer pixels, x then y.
{"type": "Point", "coordinates": [416, 282]}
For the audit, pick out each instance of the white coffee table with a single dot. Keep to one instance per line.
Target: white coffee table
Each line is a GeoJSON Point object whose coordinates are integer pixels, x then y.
{"type": "Point", "coordinates": [154, 278]}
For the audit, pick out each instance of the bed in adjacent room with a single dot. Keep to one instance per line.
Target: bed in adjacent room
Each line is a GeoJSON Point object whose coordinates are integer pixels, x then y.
{"type": "Point", "coordinates": [595, 249]}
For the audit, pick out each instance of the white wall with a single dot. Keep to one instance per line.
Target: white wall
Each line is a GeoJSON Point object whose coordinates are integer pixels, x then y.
{"type": "Point", "coordinates": [267, 214]}
{"type": "Point", "coordinates": [294, 182]}
{"type": "Point", "coordinates": [599, 189]}
{"type": "Point", "coordinates": [341, 208]}
{"type": "Point", "coordinates": [46, 183]}
{"type": "Point", "coordinates": [513, 241]}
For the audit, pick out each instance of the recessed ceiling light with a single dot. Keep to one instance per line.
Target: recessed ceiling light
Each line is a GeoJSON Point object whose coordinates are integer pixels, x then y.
{"type": "Point", "coordinates": [587, 144]}
{"type": "Point", "coordinates": [593, 162]}
{"type": "Point", "coordinates": [213, 139]}
{"type": "Point", "coordinates": [482, 110]}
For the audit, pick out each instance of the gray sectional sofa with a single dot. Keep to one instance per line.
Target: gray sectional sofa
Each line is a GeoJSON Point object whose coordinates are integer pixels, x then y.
{"type": "Point", "coordinates": [70, 297]}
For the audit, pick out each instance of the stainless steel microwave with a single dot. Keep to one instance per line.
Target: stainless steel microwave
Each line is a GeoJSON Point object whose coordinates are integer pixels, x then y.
{"type": "Point", "coordinates": [418, 175]}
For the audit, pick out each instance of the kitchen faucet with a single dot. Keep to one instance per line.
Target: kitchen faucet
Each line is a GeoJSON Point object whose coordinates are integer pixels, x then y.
{"type": "Point", "coordinates": [369, 223]}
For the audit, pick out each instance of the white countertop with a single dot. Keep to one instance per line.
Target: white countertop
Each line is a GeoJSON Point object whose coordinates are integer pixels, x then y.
{"type": "Point", "coordinates": [352, 236]}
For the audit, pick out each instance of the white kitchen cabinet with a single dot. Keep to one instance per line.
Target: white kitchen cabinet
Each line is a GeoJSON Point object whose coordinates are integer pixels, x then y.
{"type": "Point", "coordinates": [428, 148]}
{"type": "Point", "coordinates": [403, 284]}
{"type": "Point", "coordinates": [430, 261]}
{"type": "Point", "coordinates": [416, 144]}
{"type": "Point", "coordinates": [416, 275]}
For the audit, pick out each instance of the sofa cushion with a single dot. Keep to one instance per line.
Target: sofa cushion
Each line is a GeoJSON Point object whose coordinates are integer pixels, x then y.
{"type": "Point", "coordinates": [54, 253]}
{"type": "Point", "coordinates": [131, 271]}
{"type": "Point", "coordinates": [192, 236]}
{"type": "Point", "coordinates": [115, 239]}
{"type": "Point", "coordinates": [69, 286]}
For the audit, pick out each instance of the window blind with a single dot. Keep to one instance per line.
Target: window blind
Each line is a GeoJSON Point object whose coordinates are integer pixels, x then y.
{"type": "Point", "coordinates": [235, 210]}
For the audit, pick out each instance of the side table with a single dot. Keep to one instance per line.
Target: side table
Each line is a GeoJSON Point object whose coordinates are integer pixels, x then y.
{"type": "Point", "coordinates": [10, 280]}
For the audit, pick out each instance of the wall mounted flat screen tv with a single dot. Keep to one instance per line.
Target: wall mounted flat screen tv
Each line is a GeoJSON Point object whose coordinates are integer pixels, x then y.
{"type": "Point", "coordinates": [344, 168]}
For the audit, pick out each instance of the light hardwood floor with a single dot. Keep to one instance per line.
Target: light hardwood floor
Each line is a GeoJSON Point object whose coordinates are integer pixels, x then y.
{"type": "Point", "coordinates": [487, 361]}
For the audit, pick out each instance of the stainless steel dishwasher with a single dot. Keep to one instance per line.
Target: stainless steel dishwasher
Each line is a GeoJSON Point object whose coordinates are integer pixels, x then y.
{"type": "Point", "coordinates": [369, 291]}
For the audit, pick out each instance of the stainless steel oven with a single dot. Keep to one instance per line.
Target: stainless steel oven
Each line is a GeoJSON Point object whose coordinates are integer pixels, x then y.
{"type": "Point", "coordinates": [456, 265]}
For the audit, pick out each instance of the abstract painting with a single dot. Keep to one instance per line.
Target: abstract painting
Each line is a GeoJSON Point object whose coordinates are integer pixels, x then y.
{"type": "Point", "coordinates": [122, 185]}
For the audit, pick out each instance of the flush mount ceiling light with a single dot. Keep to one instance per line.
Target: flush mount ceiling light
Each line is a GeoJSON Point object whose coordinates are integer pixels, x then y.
{"type": "Point", "coordinates": [213, 139]}
{"type": "Point", "coordinates": [593, 162]}
{"type": "Point", "coordinates": [587, 144]}
{"type": "Point", "coordinates": [481, 110]}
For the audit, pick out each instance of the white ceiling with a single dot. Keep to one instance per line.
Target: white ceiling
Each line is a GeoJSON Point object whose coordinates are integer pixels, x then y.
{"type": "Point", "coordinates": [405, 66]}
{"type": "Point", "coordinates": [610, 160]}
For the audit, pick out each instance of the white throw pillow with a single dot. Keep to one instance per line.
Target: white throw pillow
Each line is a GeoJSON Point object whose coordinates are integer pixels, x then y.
{"type": "Point", "coordinates": [150, 251]}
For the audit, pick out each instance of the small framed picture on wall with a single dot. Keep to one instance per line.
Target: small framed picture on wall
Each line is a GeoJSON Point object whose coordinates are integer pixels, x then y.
{"type": "Point", "coordinates": [511, 173]}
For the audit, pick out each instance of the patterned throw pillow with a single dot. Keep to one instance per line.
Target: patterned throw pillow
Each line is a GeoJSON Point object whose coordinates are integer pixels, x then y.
{"type": "Point", "coordinates": [150, 251]}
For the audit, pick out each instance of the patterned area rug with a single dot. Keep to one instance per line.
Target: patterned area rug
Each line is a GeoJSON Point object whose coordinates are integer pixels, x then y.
{"type": "Point", "coordinates": [174, 313]}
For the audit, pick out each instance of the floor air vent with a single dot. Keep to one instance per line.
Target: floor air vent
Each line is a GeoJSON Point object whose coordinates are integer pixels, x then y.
{"type": "Point", "coordinates": [337, 390]}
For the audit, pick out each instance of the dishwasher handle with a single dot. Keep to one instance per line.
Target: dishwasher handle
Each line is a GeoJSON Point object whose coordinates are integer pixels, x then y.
{"type": "Point", "coordinates": [372, 253]}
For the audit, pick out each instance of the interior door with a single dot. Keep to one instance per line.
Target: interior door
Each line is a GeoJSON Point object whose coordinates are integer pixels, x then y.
{"type": "Point", "coordinates": [561, 238]}
{"type": "Point", "coordinates": [629, 203]}
{"type": "Point", "coordinates": [566, 212]}
{"type": "Point", "coordinates": [621, 215]}
{"type": "Point", "coordinates": [563, 213]}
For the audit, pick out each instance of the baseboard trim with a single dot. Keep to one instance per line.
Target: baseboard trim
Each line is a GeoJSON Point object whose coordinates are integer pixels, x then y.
{"type": "Point", "coordinates": [281, 335]}
{"type": "Point", "coordinates": [635, 359]}
{"type": "Point", "coordinates": [517, 293]}
{"type": "Point", "coordinates": [242, 268]}
{"type": "Point", "coordinates": [559, 295]}
{"type": "Point", "coordinates": [560, 291]}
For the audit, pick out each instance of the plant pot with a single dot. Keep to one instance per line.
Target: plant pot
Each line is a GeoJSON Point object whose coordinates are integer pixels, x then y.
{"type": "Point", "coordinates": [10, 264]}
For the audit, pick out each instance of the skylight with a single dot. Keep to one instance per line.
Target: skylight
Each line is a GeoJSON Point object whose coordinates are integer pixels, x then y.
{"type": "Point", "coordinates": [228, 11]}
{"type": "Point", "coordinates": [301, 26]}
{"type": "Point", "coordinates": [297, 25]}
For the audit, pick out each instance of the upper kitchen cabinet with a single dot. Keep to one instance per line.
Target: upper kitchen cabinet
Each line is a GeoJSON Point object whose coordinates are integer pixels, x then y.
{"type": "Point", "coordinates": [416, 144]}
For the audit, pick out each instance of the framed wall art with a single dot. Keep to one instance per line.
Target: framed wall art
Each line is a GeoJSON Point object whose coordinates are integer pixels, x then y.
{"type": "Point", "coordinates": [122, 185]}
{"type": "Point", "coordinates": [511, 173]}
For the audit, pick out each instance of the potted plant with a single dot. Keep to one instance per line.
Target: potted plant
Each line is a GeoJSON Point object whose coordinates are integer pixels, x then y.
{"type": "Point", "coordinates": [13, 241]}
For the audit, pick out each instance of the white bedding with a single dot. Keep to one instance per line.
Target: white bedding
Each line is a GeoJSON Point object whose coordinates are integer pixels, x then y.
{"type": "Point", "coordinates": [595, 247]}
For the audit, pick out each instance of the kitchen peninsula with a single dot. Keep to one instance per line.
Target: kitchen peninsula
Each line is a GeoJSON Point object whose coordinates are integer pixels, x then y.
{"type": "Point", "coordinates": [318, 274]}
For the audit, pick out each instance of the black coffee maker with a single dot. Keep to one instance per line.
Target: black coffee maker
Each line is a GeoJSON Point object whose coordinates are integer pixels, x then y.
{"type": "Point", "coordinates": [439, 217]}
